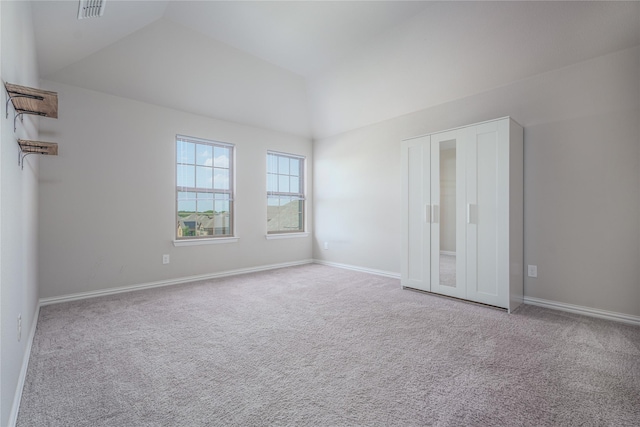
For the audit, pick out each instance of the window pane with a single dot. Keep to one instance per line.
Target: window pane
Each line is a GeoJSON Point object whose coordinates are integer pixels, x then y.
{"type": "Point", "coordinates": [205, 225]}
{"type": "Point", "coordinates": [185, 176]}
{"type": "Point", "coordinates": [205, 206]}
{"type": "Point", "coordinates": [204, 178]}
{"type": "Point", "coordinates": [186, 207]}
{"type": "Point", "coordinates": [272, 182]}
{"type": "Point", "coordinates": [185, 152]}
{"type": "Point", "coordinates": [284, 214]}
{"type": "Point", "coordinates": [221, 157]}
{"type": "Point", "coordinates": [221, 224]}
{"type": "Point", "coordinates": [221, 178]}
{"type": "Point", "coordinates": [294, 167]}
{"type": "Point", "coordinates": [283, 165]}
{"type": "Point", "coordinates": [283, 184]}
{"type": "Point", "coordinates": [272, 163]}
{"type": "Point", "coordinates": [294, 184]}
{"type": "Point", "coordinates": [221, 206]}
{"type": "Point", "coordinates": [187, 225]}
{"type": "Point", "coordinates": [184, 195]}
{"type": "Point", "coordinates": [205, 155]}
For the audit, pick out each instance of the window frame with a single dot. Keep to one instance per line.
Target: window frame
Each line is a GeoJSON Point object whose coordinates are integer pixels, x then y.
{"type": "Point", "coordinates": [301, 194]}
{"type": "Point", "coordinates": [230, 192]}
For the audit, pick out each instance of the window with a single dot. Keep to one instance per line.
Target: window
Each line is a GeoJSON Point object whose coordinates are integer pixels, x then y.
{"type": "Point", "coordinates": [204, 188]}
{"type": "Point", "coordinates": [285, 193]}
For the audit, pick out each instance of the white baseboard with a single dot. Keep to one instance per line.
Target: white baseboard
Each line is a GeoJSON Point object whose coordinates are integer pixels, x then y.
{"type": "Point", "coordinates": [13, 415]}
{"type": "Point", "coordinates": [587, 311]}
{"type": "Point", "coordinates": [357, 268]}
{"type": "Point", "coordinates": [169, 282]}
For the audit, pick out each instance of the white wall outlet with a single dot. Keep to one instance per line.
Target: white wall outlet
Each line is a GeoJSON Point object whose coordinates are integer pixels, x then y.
{"type": "Point", "coordinates": [326, 245]}
{"type": "Point", "coordinates": [165, 259]}
{"type": "Point", "coordinates": [532, 270]}
{"type": "Point", "coordinates": [19, 327]}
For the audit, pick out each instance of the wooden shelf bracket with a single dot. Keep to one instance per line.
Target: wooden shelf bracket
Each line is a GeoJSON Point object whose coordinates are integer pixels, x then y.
{"type": "Point", "coordinates": [35, 147]}
{"type": "Point", "coordinates": [26, 100]}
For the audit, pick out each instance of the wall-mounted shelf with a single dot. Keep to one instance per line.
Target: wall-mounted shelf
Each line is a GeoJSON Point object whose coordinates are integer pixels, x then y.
{"type": "Point", "coordinates": [35, 147]}
{"type": "Point", "coordinates": [26, 100]}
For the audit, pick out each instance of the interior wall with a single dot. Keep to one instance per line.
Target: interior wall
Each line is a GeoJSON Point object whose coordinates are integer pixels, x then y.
{"type": "Point", "coordinates": [107, 202]}
{"type": "Point", "coordinates": [18, 206]}
{"type": "Point", "coordinates": [176, 67]}
{"type": "Point", "coordinates": [581, 174]}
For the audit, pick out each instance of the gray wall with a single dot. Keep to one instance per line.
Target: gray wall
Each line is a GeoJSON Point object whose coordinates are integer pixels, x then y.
{"type": "Point", "coordinates": [107, 202]}
{"type": "Point", "coordinates": [582, 170]}
{"type": "Point", "coordinates": [18, 206]}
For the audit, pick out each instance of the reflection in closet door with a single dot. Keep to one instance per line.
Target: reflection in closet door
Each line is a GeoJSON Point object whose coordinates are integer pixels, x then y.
{"type": "Point", "coordinates": [416, 216]}
{"type": "Point", "coordinates": [447, 228]}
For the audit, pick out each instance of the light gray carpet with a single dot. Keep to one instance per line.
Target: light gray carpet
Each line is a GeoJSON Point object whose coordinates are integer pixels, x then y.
{"type": "Point", "coordinates": [320, 346]}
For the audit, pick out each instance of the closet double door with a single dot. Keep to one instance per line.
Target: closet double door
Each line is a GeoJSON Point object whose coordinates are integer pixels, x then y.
{"type": "Point", "coordinates": [462, 213]}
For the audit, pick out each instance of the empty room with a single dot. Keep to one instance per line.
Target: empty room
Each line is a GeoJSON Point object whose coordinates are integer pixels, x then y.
{"type": "Point", "coordinates": [320, 213]}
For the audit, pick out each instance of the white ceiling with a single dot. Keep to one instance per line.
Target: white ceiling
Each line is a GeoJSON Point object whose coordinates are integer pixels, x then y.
{"type": "Point", "coordinates": [302, 36]}
{"type": "Point", "coordinates": [361, 61]}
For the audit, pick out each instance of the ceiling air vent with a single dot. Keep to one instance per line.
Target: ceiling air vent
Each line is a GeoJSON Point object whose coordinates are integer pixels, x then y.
{"type": "Point", "coordinates": [91, 8]}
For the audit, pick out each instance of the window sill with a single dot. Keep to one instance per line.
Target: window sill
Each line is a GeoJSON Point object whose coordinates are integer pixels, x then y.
{"type": "Point", "coordinates": [286, 236]}
{"type": "Point", "coordinates": [198, 242]}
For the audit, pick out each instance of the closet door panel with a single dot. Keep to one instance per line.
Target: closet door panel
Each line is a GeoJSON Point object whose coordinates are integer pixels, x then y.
{"type": "Point", "coordinates": [486, 184]}
{"type": "Point", "coordinates": [416, 216]}
{"type": "Point", "coordinates": [483, 246]}
{"type": "Point", "coordinates": [486, 144]}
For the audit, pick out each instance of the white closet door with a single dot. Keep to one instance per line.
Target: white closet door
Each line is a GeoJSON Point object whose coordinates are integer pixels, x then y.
{"type": "Point", "coordinates": [447, 227]}
{"type": "Point", "coordinates": [486, 155]}
{"type": "Point", "coordinates": [416, 159]}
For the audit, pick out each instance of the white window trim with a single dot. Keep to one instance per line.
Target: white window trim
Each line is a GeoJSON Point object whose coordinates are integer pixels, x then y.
{"type": "Point", "coordinates": [205, 241]}
{"type": "Point", "coordinates": [275, 236]}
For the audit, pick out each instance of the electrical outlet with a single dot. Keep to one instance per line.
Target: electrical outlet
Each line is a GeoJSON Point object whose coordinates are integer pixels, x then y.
{"type": "Point", "coordinates": [165, 259]}
{"type": "Point", "coordinates": [19, 327]}
{"type": "Point", "coordinates": [326, 245]}
{"type": "Point", "coordinates": [532, 271]}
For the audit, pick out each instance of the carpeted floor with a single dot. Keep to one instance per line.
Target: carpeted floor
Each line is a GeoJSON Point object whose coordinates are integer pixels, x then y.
{"type": "Point", "coordinates": [320, 346]}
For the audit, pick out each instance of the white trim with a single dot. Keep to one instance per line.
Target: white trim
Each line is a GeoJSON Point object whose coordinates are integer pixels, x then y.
{"type": "Point", "coordinates": [285, 236]}
{"type": "Point", "coordinates": [586, 311]}
{"type": "Point", "coordinates": [169, 282]}
{"type": "Point", "coordinates": [198, 242]}
{"type": "Point", "coordinates": [453, 253]}
{"type": "Point", "coordinates": [357, 268]}
{"type": "Point", "coordinates": [13, 415]}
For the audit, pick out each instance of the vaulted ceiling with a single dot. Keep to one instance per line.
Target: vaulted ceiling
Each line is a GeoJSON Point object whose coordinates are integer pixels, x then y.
{"type": "Point", "coordinates": [328, 61]}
